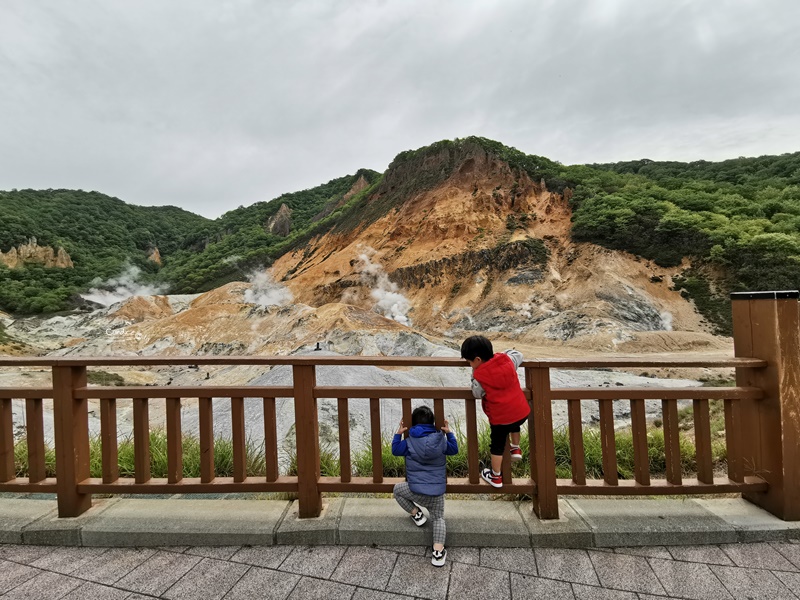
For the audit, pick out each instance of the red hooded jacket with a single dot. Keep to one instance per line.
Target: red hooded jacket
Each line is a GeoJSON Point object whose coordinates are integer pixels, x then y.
{"type": "Point", "coordinates": [504, 401]}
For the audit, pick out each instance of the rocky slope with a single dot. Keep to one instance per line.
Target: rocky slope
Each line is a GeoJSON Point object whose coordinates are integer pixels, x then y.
{"type": "Point", "coordinates": [487, 249]}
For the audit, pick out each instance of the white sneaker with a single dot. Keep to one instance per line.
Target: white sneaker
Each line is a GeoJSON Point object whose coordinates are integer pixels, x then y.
{"type": "Point", "coordinates": [419, 517]}
{"type": "Point", "coordinates": [438, 557]}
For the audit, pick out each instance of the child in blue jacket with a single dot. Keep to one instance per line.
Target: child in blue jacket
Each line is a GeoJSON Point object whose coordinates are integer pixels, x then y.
{"type": "Point", "coordinates": [425, 450]}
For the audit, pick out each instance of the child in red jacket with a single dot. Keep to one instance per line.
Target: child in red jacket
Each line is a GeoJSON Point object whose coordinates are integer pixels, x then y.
{"type": "Point", "coordinates": [495, 381]}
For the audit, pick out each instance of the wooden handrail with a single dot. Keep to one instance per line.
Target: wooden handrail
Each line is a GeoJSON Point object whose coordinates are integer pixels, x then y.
{"type": "Point", "coordinates": [71, 390]}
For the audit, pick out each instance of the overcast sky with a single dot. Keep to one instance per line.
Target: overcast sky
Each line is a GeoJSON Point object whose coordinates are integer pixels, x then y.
{"type": "Point", "coordinates": [210, 105]}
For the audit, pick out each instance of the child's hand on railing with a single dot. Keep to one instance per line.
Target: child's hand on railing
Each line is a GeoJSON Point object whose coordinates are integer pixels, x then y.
{"type": "Point", "coordinates": [446, 427]}
{"type": "Point", "coordinates": [401, 429]}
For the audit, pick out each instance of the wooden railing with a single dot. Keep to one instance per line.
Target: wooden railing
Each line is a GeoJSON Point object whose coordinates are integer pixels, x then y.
{"type": "Point", "coordinates": [753, 431]}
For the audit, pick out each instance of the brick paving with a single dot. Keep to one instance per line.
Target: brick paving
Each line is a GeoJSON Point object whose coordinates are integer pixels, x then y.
{"type": "Point", "coordinates": [727, 571]}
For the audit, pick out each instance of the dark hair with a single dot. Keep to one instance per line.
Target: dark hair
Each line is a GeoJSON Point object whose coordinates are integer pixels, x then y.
{"type": "Point", "coordinates": [477, 346]}
{"type": "Point", "coordinates": [422, 415]}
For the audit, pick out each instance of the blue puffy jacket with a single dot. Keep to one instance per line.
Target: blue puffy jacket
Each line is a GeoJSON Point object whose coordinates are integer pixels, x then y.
{"type": "Point", "coordinates": [425, 450]}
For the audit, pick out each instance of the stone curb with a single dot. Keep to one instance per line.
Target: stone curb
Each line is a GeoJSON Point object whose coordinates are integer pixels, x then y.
{"type": "Point", "coordinates": [583, 523]}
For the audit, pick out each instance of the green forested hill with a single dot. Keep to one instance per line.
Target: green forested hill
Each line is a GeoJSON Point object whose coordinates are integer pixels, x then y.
{"type": "Point", "coordinates": [101, 234]}
{"type": "Point", "coordinates": [739, 219]}
{"type": "Point", "coordinates": [227, 249]}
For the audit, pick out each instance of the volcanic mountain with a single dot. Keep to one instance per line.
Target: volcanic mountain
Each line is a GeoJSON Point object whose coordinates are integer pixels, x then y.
{"type": "Point", "coordinates": [456, 240]}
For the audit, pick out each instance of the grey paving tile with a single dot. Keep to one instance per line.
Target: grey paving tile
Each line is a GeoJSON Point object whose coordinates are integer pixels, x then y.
{"type": "Point", "coordinates": [517, 560]}
{"type": "Point", "coordinates": [365, 567]}
{"type": "Point", "coordinates": [625, 572]}
{"type": "Point", "coordinates": [23, 554]}
{"type": "Point", "coordinates": [650, 597]}
{"type": "Point", "coordinates": [95, 591]}
{"type": "Point", "coordinates": [313, 561]}
{"type": "Point", "coordinates": [314, 589]}
{"type": "Point", "coordinates": [790, 551]}
{"type": "Point", "coordinates": [416, 576]}
{"type": "Point", "coordinates": [44, 586]}
{"type": "Point", "coordinates": [270, 557]}
{"type": "Point", "coordinates": [646, 551]}
{"type": "Point", "coordinates": [709, 555]}
{"type": "Point", "coordinates": [758, 556]}
{"type": "Point", "coordinates": [218, 552]}
{"type": "Point", "coordinates": [12, 575]}
{"type": "Point", "coordinates": [265, 584]}
{"type": "Point", "coordinates": [566, 564]}
{"type": "Point", "coordinates": [528, 587]}
{"type": "Point", "coordinates": [689, 580]}
{"type": "Point", "coordinates": [588, 592]}
{"type": "Point", "coordinates": [479, 583]}
{"type": "Point", "coordinates": [68, 559]}
{"type": "Point", "coordinates": [790, 580]}
{"type": "Point", "coordinates": [158, 573]}
{"type": "Point", "coordinates": [114, 564]}
{"type": "Point", "coordinates": [209, 579]}
{"type": "Point", "coordinates": [460, 554]}
{"type": "Point", "coordinates": [752, 584]}
{"type": "Point", "coordinates": [415, 550]}
{"type": "Point", "coordinates": [365, 594]}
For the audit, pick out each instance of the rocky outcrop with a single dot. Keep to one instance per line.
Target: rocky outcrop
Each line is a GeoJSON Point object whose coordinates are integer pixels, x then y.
{"type": "Point", "coordinates": [360, 185]}
{"type": "Point", "coordinates": [32, 252]}
{"type": "Point", "coordinates": [155, 256]}
{"type": "Point", "coordinates": [281, 222]}
{"type": "Point", "coordinates": [524, 254]}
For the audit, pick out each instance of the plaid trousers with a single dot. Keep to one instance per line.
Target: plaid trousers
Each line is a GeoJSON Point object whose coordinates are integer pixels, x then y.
{"type": "Point", "coordinates": [435, 505]}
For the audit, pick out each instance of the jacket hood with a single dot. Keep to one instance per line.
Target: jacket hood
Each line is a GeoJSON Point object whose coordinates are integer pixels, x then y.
{"type": "Point", "coordinates": [418, 431]}
{"type": "Point", "coordinates": [426, 442]}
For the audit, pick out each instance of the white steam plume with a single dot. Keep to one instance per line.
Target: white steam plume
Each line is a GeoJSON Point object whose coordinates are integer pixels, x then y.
{"type": "Point", "coordinates": [666, 320]}
{"type": "Point", "coordinates": [266, 292]}
{"type": "Point", "coordinates": [388, 300]}
{"type": "Point", "coordinates": [123, 287]}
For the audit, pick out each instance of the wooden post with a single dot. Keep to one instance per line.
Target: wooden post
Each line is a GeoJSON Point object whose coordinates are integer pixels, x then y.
{"type": "Point", "coordinates": [766, 325]}
{"type": "Point", "coordinates": [307, 429]}
{"type": "Point", "coordinates": [71, 419]}
{"type": "Point", "coordinates": [540, 431]}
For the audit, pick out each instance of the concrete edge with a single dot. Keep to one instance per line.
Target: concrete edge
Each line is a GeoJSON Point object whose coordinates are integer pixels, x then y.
{"type": "Point", "coordinates": [377, 521]}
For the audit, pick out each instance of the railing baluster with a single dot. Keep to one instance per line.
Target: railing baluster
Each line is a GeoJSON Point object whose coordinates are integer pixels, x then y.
{"type": "Point", "coordinates": [377, 442]}
{"type": "Point", "coordinates": [141, 439]}
{"type": "Point", "coordinates": [505, 466]}
{"type": "Point", "coordinates": [733, 439]}
{"type": "Point", "coordinates": [641, 458]}
{"type": "Point", "coordinates": [608, 442]}
{"type": "Point", "coordinates": [473, 456]}
{"type": "Point", "coordinates": [406, 414]}
{"type": "Point", "coordinates": [438, 413]}
{"type": "Point", "coordinates": [672, 442]}
{"type": "Point", "coordinates": [271, 439]}
{"type": "Point", "coordinates": [34, 416]}
{"type": "Point", "coordinates": [702, 440]}
{"type": "Point", "coordinates": [206, 409]}
{"type": "Point", "coordinates": [174, 441]}
{"type": "Point", "coordinates": [7, 470]}
{"type": "Point", "coordinates": [108, 439]}
{"type": "Point", "coordinates": [576, 450]}
{"type": "Point", "coordinates": [238, 435]}
{"type": "Point", "coordinates": [345, 467]}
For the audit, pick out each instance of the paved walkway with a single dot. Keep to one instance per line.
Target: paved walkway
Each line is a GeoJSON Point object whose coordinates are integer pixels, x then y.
{"type": "Point", "coordinates": [367, 548]}
{"type": "Point", "coordinates": [766, 570]}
